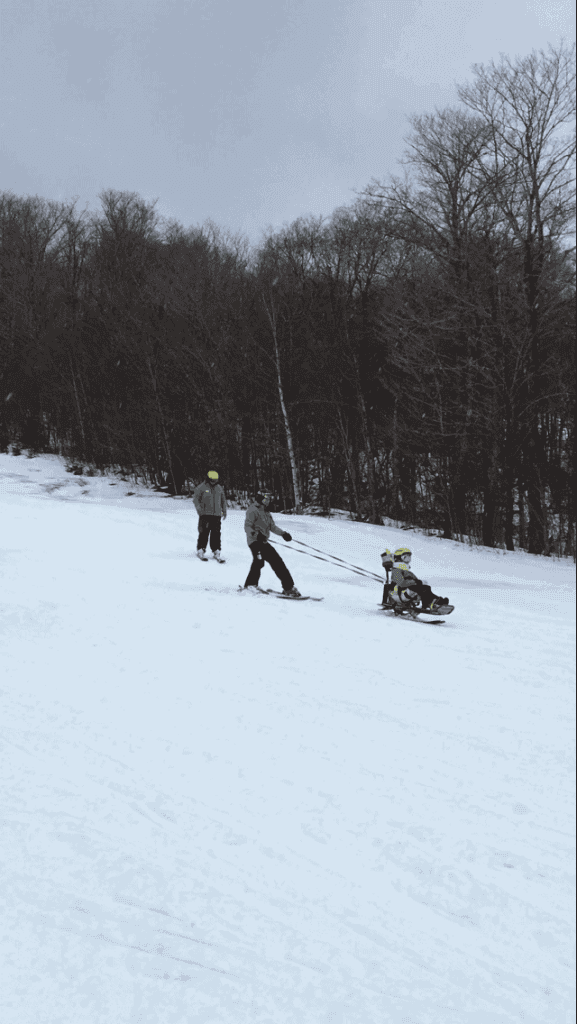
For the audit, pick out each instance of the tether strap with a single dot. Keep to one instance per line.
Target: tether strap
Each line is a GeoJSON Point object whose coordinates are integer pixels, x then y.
{"type": "Point", "coordinates": [336, 561]}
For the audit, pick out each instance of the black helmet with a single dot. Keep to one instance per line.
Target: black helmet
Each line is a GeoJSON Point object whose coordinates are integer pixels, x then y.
{"type": "Point", "coordinates": [262, 494]}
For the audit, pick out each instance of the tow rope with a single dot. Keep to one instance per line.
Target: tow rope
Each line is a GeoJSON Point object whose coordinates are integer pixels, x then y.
{"type": "Point", "coordinates": [333, 560]}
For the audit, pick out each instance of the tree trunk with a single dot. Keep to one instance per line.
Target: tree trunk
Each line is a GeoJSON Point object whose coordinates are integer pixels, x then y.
{"type": "Point", "coordinates": [78, 409]}
{"type": "Point", "coordinates": [351, 468]}
{"type": "Point", "coordinates": [175, 485]}
{"type": "Point", "coordinates": [537, 527]}
{"type": "Point", "coordinates": [509, 477]}
{"type": "Point", "coordinates": [521, 506]}
{"type": "Point", "coordinates": [270, 312]}
{"type": "Point", "coordinates": [488, 520]}
{"type": "Point", "coordinates": [375, 517]}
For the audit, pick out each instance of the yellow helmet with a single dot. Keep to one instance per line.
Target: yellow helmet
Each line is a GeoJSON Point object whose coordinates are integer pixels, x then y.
{"type": "Point", "coordinates": [402, 554]}
{"type": "Point", "coordinates": [212, 475]}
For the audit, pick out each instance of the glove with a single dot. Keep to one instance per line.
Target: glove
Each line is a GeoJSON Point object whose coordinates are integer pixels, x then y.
{"type": "Point", "coordinates": [286, 536]}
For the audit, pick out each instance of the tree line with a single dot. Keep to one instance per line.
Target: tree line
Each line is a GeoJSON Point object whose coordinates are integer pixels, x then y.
{"type": "Point", "coordinates": [411, 355]}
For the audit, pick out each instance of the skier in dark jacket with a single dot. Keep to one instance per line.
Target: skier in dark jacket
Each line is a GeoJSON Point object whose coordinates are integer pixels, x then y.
{"type": "Point", "coordinates": [258, 525]}
{"type": "Point", "coordinates": [210, 503]}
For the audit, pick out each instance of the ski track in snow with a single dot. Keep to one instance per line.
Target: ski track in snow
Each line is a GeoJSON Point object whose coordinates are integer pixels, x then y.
{"type": "Point", "coordinates": [219, 808]}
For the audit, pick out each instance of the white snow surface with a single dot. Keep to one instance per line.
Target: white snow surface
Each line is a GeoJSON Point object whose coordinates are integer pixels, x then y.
{"type": "Point", "coordinates": [220, 808]}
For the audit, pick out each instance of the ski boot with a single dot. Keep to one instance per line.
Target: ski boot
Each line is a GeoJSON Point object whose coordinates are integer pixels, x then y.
{"type": "Point", "coordinates": [439, 606]}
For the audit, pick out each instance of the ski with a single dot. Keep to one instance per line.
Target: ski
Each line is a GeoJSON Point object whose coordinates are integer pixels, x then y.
{"type": "Point", "coordinates": [221, 561]}
{"type": "Point", "coordinates": [444, 609]}
{"type": "Point", "coordinates": [414, 618]}
{"type": "Point", "coordinates": [285, 597]}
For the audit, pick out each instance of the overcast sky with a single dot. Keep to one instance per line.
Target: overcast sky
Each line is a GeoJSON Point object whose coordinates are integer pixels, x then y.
{"type": "Point", "coordinates": [251, 113]}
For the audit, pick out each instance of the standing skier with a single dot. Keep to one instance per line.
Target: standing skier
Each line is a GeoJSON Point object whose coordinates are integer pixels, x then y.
{"type": "Point", "coordinates": [210, 503]}
{"type": "Point", "coordinates": [258, 525]}
{"type": "Point", "coordinates": [406, 585]}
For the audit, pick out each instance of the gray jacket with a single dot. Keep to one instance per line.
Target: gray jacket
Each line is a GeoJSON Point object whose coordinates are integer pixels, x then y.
{"type": "Point", "coordinates": [209, 500]}
{"type": "Point", "coordinates": [402, 576]}
{"type": "Point", "coordinates": [258, 520]}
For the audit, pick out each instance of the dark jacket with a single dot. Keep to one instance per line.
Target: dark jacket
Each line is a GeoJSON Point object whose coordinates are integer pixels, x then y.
{"type": "Point", "coordinates": [209, 500]}
{"type": "Point", "coordinates": [258, 520]}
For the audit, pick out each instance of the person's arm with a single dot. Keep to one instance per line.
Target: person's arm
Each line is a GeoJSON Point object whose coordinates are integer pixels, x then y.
{"type": "Point", "coordinates": [410, 577]}
{"type": "Point", "coordinates": [402, 577]}
{"type": "Point", "coordinates": [249, 521]}
{"type": "Point", "coordinates": [274, 528]}
{"type": "Point", "coordinates": [196, 497]}
{"type": "Point", "coordinates": [280, 533]}
{"type": "Point", "coordinates": [224, 506]}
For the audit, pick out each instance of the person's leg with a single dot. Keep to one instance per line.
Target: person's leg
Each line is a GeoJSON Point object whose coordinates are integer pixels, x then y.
{"type": "Point", "coordinates": [256, 567]}
{"type": "Point", "coordinates": [214, 526]}
{"type": "Point", "coordinates": [203, 532]}
{"type": "Point", "coordinates": [425, 593]}
{"type": "Point", "coordinates": [277, 565]}
{"type": "Point", "coordinates": [386, 591]}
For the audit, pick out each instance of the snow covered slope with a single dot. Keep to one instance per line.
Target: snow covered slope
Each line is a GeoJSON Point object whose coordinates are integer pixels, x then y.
{"type": "Point", "coordinates": [220, 808]}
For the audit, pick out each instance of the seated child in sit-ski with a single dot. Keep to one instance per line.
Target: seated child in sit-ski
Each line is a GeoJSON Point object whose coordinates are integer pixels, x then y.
{"type": "Point", "coordinates": [404, 584]}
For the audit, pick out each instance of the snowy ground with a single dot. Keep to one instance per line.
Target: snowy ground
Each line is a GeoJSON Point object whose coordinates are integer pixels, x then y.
{"type": "Point", "coordinates": [222, 809]}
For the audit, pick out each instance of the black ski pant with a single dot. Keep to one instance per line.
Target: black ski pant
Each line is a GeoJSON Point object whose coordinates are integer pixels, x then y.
{"type": "Point", "coordinates": [424, 591]}
{"type": "Point", "coordinates": [208, 526]}
{"type": "Point", "coordinates": [270, 555]}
